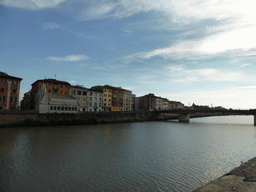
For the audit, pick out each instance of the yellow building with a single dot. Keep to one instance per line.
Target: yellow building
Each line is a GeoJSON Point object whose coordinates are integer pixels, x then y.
{"type": "Point", "coordinates": [107, 98]}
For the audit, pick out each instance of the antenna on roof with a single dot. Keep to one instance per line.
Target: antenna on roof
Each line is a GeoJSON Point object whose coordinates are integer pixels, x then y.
{"type": "Point", "coordinates": [55, 76]}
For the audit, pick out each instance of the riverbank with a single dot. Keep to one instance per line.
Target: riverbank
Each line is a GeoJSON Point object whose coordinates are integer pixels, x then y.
{"type": "Point", "coordinates": [240, 179]}
{"type": "Point", "coordinates": [78, 121]}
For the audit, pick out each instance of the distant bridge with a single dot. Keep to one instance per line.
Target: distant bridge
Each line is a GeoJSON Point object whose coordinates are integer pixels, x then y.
{"type": "Point", "coordinates": [184, 114]}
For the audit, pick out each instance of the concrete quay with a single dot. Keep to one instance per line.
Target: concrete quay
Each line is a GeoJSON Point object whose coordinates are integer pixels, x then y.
{"type": "Point", "coordinates": [240, 179]}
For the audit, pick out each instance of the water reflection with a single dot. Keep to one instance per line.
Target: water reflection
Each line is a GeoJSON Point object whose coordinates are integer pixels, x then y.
{"type": "Point", "coordinates": [150, 156]}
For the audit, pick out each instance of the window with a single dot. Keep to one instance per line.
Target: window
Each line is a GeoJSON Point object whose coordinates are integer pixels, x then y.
{"type": "Point", "coordinates": [105, 104]}
{"type": "Point", "coordinates": [109, 100]}
{"type": "Point", "coordinates": [2, 98]}
{"type": "Point", "coordinates": [99, 104]}
{"type": "Point", "coordinates": [78, 92]}
{"type": "Point", "coordinates": [60, 92]}
{"type": "Point", "coordinates": [49, 91]}
{"type": "Point", "coordinates": [84, 93]}
{"type": "Point", "coordinates": [58, 108]}
{"type": "Point", "coordinates": [3, 80]}
{"type": "Point", "coordinates": [1, 89]}
{"type": "Point", "coordinates": [95, 99]}
{"type": "Point", "coordinates": [66, 92]}
{"type": "Point", "coordinates": [55, 108]}
{"type": "Point", "coordinates": [51, 108]}
{"type": "Point", "coordinates": [90, 104]}
{"type": "Point", "coordinates": [95, 104]}
{"type": "Point", "coordinates": [14, 82]}
{"type": "Point", "coordinates": [90, 98]}
{"type": "Point", "coordinates": [109, 95]}
{"type": "Point", "coordinates": [105, 95]}
{"type": "Point", "coordinates": [13, 99]}
{"type": "Point", "coordinates": [105, 90]}
{"type": "Point", "coordinates": [61, 86]}
{"type": "Point", "coordinates": [109, 91]}
{"type": "Point", "coordinates": [66, 87]}
{"type": "Point", "coordinates": [105, 99]}
{"type": "Point", "coordinates": [50, 85]}
{"type": "Point", "coordinates": [100, 99]}
{"type": "Point", "coordinates": [62, 108]}
{"type": "Point", "coordinates": [90, 93]}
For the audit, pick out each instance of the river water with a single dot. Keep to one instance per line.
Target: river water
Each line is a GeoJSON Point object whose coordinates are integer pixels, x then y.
{"type": "Point", "coordinates": [145, 156]}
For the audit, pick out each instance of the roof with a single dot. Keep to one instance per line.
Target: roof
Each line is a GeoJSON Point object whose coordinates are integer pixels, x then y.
{"type": "Point", "coordinates": [78, 87]}
{"type": "Point", "coordinates": [52, 81]}
{"type": "Point", "coordinates": [95, 89]}
{"type": "Point", "coordinates": [5, 75]}
{"type": "Point", "coordinates": [57, 96]}
{"type": "Point", "coordinates": [109, 87]}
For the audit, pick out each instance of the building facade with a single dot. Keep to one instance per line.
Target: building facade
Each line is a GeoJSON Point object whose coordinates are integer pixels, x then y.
{"type": "Point", "coordinates": [175, 105]}
{"type": "Point", "coordinates": [51, 86]}
{"type": "Point", "coordinates": [9, 91]}
{"type": "Point", "coordinates": [165, 104]}
{"type": "Point", "coordinates": [159, 103]}
{"type": "Point", "coordinates": [80, 93]}
{"type": "Point", "coordinates": [127, 100]}
{"type": "Point", "coordinates": [147, 102]}
{"type": "Point", "coordinates": [135, 103]}
{"type": "Point", "coordinates": [94, 99]}
{"type": "Point", "coordinates": [55, 103]}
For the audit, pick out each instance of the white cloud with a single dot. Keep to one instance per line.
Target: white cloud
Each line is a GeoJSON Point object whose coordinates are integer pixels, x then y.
{"type": "Point", "coordinates": [50, 25]}
{"type": "Point", "coordinates": [33, 4]}
{"type": "Point", "coordinates": [236, 97]}
{"type": "Point", "coordinates": [182, 75]}
{"type": "Point", "coordinates": [71, 58]}
{"type": "Point", "coordinates": [96, 11]}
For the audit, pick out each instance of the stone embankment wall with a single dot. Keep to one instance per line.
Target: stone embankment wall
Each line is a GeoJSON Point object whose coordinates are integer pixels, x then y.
{"type": "Point", "coordinates": [16, 116]}
{"type": "Point", "coordinates": [13, 116]}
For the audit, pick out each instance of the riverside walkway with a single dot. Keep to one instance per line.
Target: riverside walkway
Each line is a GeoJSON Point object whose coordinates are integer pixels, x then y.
{"type": "Point", "coordinates": [240, 179]}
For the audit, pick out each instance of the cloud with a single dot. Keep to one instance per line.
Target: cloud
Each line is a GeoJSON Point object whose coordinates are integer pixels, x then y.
{"type": "Point", "coordinates": [50, 25]}
{"type": "Point", "coordinates": [33, 4]}
{"type": "Point", "coordinates": [71, 58]}
{"type": "Point", "coordinates": [234, 97]}
{"type": "Point", "coordinates": [183, 75]}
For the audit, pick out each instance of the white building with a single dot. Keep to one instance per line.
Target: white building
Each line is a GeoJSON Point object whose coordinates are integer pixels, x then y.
{"type": "Point", "coordinates": [94, 99]}
{"type": "Point", "coordinates": [54, 103]}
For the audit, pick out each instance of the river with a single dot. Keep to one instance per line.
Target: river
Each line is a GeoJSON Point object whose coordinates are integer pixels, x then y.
{"type": "Point", "coordinates": [144, 156]}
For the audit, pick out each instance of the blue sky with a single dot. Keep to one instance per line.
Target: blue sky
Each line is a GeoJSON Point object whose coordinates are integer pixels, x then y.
{"type": "Point", "coordinates": [191, 51]}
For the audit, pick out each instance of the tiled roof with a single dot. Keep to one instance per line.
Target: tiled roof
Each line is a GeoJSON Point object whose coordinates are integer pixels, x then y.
{"type": "Point", "coordinates": [5, 75]}
{"type": "Point", "coordinates": [52, 81]}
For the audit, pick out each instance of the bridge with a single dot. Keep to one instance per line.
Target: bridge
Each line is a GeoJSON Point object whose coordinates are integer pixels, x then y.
{"type": "Point", "coordinates": [184, 114]}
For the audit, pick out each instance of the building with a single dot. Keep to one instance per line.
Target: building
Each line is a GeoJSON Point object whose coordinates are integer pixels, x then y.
{"type": "Point", "coordinates": [54, 103]}
{"type": "Point", "coordinates": [113, 98]}
{"type": "Point", "coordinates": [159, 103]}
{"type": "Point", "coordinates": [9, 91]}
{"type": "Point", "coordinates": [52, 86]}
{"type": "Point", "coordinates": [135, 103]}
{"type": "Point", "coordinates": [147, 102]}
{"type": "Point", "coordinates": [94, 99]}
{"type": "Point", "coordinates": [80, 93]}
{"type": "Point", "coordinates": [165, 104]}
{"type": "Point", "coordinates": [175, 105]}
{"type": "Point", "coordinates": [127, 100]}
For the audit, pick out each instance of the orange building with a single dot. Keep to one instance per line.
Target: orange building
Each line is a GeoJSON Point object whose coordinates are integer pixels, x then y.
{"type": "Point", "coordinates": [52, 86]}
{"type": "Point", "coordinates": [147, 102]}
{"type": "Point", "coordinates": [9, 91]}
